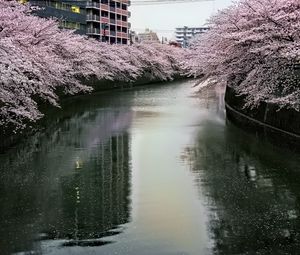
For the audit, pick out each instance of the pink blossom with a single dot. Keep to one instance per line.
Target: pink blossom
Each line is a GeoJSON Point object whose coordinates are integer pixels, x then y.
{"type": "Point", "coordinates": [253, 46]}
{"type": "Point", "coordinates": [38, 59]}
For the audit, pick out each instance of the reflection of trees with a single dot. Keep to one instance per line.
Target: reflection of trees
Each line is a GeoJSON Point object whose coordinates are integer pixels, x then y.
{"type": "Point", "coordinates": [70, 180]}
{"type": "Point", "coordinates": [251, 191]}
{"type": "Point", "coordinates": [94, 200]}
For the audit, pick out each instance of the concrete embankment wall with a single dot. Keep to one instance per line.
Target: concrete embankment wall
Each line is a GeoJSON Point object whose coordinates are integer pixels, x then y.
{"type": "Point", "coordinates": [279, 126]}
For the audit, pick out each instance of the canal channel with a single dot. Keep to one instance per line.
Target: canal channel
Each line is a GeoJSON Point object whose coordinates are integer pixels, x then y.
{"type": "Point", "coordinates": [150, 171]}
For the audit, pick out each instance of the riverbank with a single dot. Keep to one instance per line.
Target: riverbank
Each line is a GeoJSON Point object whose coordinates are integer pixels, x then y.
{"type": "Point", "coordinates": [280, 126]}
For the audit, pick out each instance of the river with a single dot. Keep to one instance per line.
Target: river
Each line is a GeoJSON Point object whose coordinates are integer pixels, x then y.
{"type": "Point", "coordinates": [151, 171]}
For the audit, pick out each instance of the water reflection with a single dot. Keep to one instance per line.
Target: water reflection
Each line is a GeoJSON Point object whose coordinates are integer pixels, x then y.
{"type": "Point", "coordinates": [154, 171]}
{"type": "Point", "coordinates": [250, 189]}
{"type": "Point", "coordinates": [69, 182]}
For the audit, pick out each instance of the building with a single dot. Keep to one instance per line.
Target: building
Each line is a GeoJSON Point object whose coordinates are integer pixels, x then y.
{"type": "Point", "coordinates": [148, 35]}
{"type": "Point", "coordinates": [184, 34]}
{"type": "Point", "coordinates": [134, 38]}
{"type": "Point", "coordinates": [71, 14]}
{"type": "Point", "coordinates": [105, 20]}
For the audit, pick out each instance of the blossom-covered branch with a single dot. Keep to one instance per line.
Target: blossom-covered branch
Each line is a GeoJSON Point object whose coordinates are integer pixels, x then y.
{"type": "Point", "coordinates": [253, 46]}
{"type": "Point", "coordinates": [37, 58]}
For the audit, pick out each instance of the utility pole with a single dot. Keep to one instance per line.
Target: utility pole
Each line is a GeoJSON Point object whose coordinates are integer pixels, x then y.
{"type": "Point", "coordinates": [184, 36]}
{"type": "Point", "coordinates": [131, 37]}
{"type": "Point", "coordinates": [104, 27]}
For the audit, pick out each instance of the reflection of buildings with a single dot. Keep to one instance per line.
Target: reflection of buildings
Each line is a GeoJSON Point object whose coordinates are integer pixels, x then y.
{"type": "Point", "coordinates": [71, 180]}
{"type": "Point", "coordinates": [95, 199]}
{"type": "Point", "coordinates": [251, 192]}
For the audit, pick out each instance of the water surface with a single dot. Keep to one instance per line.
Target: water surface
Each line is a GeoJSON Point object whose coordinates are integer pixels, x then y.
{"type": "Point", "coordinates": [152, 171]}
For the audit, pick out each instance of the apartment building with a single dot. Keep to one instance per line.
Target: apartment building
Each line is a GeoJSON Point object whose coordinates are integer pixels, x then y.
{"type": "Point", "coordinates": [70, 14]}
{"type": "Point", "coordinates": [105, 20]}
{"type": "Point", "coordinates": [184, 34]}
{"type": "Point", "coordinates": [148, 35]}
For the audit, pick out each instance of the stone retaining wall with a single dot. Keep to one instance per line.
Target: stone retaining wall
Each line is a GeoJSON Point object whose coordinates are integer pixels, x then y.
{"type": "Point", "coordinates": [278, 126]}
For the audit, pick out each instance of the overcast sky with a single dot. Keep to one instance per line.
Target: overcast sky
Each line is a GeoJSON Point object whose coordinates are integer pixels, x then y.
{"type": "Point", "coordinates": [164, 18]}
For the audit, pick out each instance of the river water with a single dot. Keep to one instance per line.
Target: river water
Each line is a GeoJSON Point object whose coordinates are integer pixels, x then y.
{"type": "Point", "coordinates": [151, 171]}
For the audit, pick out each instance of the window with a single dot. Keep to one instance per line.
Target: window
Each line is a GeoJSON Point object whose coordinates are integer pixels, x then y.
{"type": "Point", "coordinates": [75, 9]}
{"type": "Point", "coordinates": [69, 25]}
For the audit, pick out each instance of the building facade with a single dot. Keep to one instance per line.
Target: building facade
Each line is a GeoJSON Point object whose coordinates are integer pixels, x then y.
{"type": "Point", "coordinates": [185, 34]}
{"type": "Point", "coordinates": [148, 35]}
{"type": "Point", "coordinates": [105, 20]}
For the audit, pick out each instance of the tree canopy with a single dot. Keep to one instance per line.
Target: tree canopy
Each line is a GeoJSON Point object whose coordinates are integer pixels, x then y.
{"type": "Point", "coordinates": [254, 47]}
{"type": "Point", "coordinates": [38, 58]}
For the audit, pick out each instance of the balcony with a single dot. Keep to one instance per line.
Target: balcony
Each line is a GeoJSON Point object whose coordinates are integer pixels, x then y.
{"type": "Point", "coordinates": [104, 7]}
{"type": "Point", "coordinates": [112, 9]}
{"type": "Point", "coordinates": [122, 12]}
{"type": "Point", "coordinates": [90, 5]}
{"type": "Point", "coordinates": [124, 2]}
{"type": "Point", "coordinates": [105, 32]}
{"type": "Point", "coordinates": [104, 20]}
{"type": "Point", "coordinates": [129, 14]}
{"type": "Point", "coordinates": [112, 21]}
{"type": "Point", "coordinates": [93, 31]}
{"type": "Point", "coordinates": [122, 34]}
{"type": "Point", "coordinates": [113, 33]}
{"type": "Point", "coordinates": [91, 17]}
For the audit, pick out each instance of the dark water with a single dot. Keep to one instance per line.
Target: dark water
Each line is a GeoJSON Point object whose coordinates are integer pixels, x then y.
{"type": "Point", "coordinates": [151, 171]}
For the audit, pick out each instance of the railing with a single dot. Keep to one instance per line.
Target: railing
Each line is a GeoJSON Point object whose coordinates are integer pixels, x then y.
{"type": "Point", "coordinates": [112, 21]}
{"type": "Point", "coordinates": [92, 5]}
{"type": "Point", "coordinates": [104, 7]}
{"type": "Point", "coordinates": [91, 17]}
{"type": "Point", "coordinates": [124, 24]}
{"type": "Point", "coordinates": [104, 20]}
{"type": "Point", "coordinates": [105, 32]}
{"type": "Point", "coordinates": [93, 30]}
{"type": "Point", "coordinates": [113, 33]}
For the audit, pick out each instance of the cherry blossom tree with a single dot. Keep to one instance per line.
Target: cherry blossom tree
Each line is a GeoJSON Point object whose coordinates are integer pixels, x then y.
{"type": "Point", "coordinates": [253, 46]}
{"type": "Point", "coordinates": [38, 59]}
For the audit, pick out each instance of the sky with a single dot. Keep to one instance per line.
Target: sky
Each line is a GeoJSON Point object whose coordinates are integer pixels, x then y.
{"type": "Point", "coordinates": [165, 17]}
